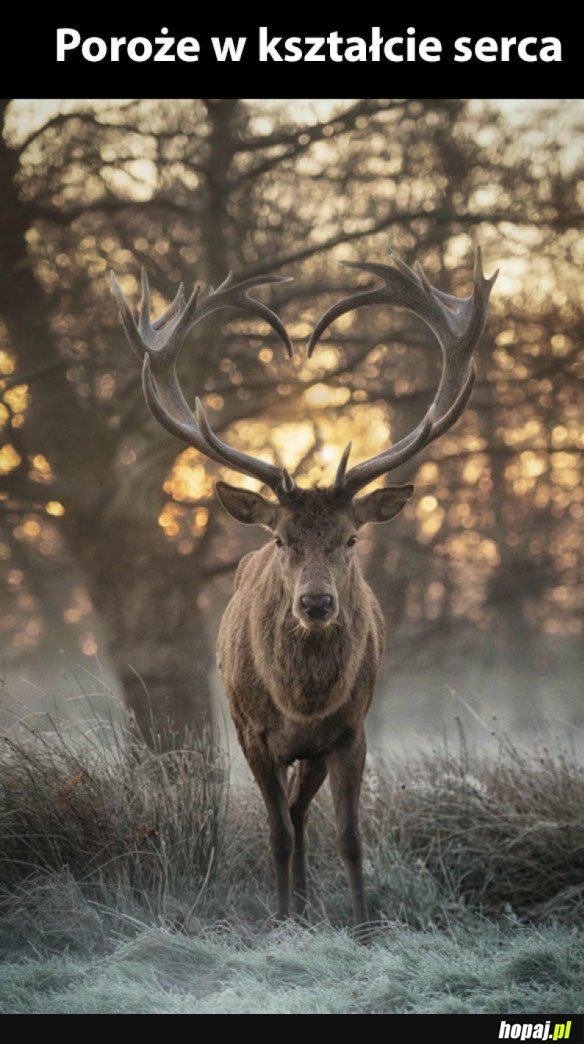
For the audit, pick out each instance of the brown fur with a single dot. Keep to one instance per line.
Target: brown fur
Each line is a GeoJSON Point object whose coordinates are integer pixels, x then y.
{"type": "Point", "coordinates": [298, 694]}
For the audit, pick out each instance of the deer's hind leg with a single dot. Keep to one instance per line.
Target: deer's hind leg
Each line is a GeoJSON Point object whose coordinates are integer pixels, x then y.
{"type": "Point", "coordinates": [307, 777]}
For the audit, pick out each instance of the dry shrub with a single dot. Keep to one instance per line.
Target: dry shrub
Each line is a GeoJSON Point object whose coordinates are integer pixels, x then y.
{"type": "Point", "coordinates": [145, 833]}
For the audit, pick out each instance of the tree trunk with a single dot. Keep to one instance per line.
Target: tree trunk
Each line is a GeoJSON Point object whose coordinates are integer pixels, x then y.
{"type": "Point", "coordinates": [144, 589]}
{"type": "Point", "coordinates": [148, 595]}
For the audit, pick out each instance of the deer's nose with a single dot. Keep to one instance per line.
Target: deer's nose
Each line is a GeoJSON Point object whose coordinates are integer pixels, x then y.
{"type": "Point", "coordinates": [316, 607]}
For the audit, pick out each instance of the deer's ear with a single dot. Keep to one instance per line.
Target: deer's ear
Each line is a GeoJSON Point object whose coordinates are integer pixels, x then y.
{"type": "Point", "coordinates": [381, 505]}
{"type": "Point", "coordinates": [246, 506]}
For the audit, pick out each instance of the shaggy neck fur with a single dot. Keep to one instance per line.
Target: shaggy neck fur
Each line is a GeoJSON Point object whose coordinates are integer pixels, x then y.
{"type": "Point", "coordinates": [309, 674]}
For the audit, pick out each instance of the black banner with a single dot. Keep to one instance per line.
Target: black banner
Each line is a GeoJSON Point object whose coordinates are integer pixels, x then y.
{"type": "Point", "coordinates": [73, 52]}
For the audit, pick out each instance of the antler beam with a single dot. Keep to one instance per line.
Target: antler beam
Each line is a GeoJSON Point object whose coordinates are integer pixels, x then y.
{"type": "Point", "coordinates": [457, 322]}
{"type": "Point", "coordinates": [158, 343]}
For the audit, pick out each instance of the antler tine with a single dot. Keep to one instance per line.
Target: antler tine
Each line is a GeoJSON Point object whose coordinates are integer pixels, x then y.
{"type": "Point", "coordinates": [127, 318]}
{"type": "Point", "coordinates": [158, 344]}
{"type": "Point", "coordinates": [237, 296]}
{"type": "Point", "coordinates": [457, 322]}
{"type": "Point", "coordinates": [163, 337]}
{"type": "Point", "coordinates": [342, 468]}
{"type": "Point", "coordinates": [288, 483]}
{"type": "Point", "coordinates": [177, 305]}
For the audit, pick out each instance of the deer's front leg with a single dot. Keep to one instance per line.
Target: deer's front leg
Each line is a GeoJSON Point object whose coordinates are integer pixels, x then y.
{"type": "Point", "coordinates": [271, 779]}
{"type": "Point", "coordinates": [345, 766]}
{"type": "Point", "coordinates": [306, 780]}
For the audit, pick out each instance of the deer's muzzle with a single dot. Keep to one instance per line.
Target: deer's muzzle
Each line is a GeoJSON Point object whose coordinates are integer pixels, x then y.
{"type": "Point", "coordinates": [315, 609]}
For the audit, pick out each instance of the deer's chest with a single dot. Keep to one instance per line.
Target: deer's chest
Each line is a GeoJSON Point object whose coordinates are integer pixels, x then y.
{"type": "Point", "coordinates": [293, 741]}
{"type": "Point", "coordinates": [308, 676]}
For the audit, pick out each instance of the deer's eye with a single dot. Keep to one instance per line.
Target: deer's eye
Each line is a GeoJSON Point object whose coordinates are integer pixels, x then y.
{"type": "Point", "coordinates": [351, 541]}
{"type": "Point", "coordinates": [278, 542]}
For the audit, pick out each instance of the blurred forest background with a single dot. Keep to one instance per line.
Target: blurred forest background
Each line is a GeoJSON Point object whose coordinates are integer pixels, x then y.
{"type": "Point", "coordinates": [116, 559]}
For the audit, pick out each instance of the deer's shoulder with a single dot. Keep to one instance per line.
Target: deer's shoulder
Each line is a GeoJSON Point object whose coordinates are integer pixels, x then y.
{"type": "Point", "coordinates": [250, 564]}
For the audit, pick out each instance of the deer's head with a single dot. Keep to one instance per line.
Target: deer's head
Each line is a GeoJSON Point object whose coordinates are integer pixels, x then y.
{"type": "Point", "coordinates": [314, 531]}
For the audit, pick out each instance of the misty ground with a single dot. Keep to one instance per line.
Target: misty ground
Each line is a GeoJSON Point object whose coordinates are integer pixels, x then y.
{"type": "Point", "coordinates": [138, 882]}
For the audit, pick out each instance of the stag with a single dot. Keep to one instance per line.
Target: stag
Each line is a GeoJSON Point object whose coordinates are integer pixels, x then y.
{"type": "Point", "coordinates": [301, 641]}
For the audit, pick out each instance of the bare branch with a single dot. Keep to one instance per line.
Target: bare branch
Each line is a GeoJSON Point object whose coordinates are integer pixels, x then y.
{"type": "Point", "coordinates": [303, 139]}
{"type": "Point", "coordinates": [66, 215]}
{"type": "Point", "coordinates": [29, 378]}
{"type": "Point", "coordinates": [401, 218]}
{"type": "Point", "coordinates": [56, 121]}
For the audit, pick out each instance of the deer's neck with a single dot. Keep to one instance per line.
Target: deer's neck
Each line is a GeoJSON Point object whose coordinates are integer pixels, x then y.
{"type": "Point", "coordinates": [310, 674]}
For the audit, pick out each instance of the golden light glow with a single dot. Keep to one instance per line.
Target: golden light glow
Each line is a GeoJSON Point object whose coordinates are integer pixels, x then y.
{"type": "Point", "coordinates": [474, 469]}
{"type": "Point", "coordinates": [519, 434]}
{"type": "Point", "coordinates": [291, 442]}
{"type": "Point", "coordinates": [320, 396]}
{"type": "Point", "coordinates": [41, 469]}
{"type": "Point", "coordinates": [31, 528]}
{"type": "Point", "coordinates": [188, 479]}
{"type": "Point", "coordinates": [7, 365]}
{"type": "Point", "coordinates": [428, 472]}
{"type": "Point", "coordinates": [200, 519]}
{"type": "Point", "coordinates": [489, 551]}
{"type": "Point", "coordinates": [427, 505]}
{"type": "Point", "coordinates": [53, 507]}
{"type": "Point", "coordinates": [17, 398]}
{"type": "Point", "coordinates": [170, 518]}
{"type": "Point", "coordinates": [9, 459]}
{"type": "Point", "coordinates": [326, 359]}
{"type": "Point", "coordinates": [430, 516]}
